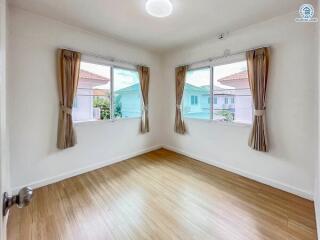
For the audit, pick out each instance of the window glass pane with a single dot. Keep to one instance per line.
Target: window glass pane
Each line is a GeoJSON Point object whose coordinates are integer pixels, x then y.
{"type": "Point", "coordinates": [92, 102]}
{"type": "Point", "coordinates": [127, 97]}
{"type": "Point", "coordinates": [196, 96]}
{"type": "Point", "coordinates": [215, 100]}
{"type": "Point", "coordinates": [232, 96]}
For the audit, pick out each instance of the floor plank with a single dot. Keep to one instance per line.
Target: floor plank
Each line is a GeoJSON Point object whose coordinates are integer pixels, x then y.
{"type": "Point", "coordinates": [162, 195]}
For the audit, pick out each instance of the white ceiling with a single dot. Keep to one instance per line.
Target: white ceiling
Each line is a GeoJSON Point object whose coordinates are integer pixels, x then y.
{"type": "Point", "coordinates": [191, 21]}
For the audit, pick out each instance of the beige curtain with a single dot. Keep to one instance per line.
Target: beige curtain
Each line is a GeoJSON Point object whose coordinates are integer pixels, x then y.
{"type": "Point", "coordinates": [68, 77]}
{"type": "Point", "coordinates": [144, 76]}
{"type": "Point", "coordinates": [258, 66]}
{"type": "Point", "coordinates": [180, 82]}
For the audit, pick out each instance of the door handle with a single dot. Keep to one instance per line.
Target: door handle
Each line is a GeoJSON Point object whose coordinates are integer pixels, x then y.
{"type": "Point", "coordinates": [22, 199]}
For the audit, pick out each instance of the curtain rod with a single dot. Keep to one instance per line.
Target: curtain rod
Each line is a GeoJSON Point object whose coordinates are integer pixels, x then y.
{"type": "Point", "coordinates": [223, 56]}
{"type": "Point", "coordinates": [110, 59]}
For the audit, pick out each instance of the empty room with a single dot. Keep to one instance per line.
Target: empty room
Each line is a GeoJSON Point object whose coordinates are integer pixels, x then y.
{"type": "Point", "coordinates": [159, 119]}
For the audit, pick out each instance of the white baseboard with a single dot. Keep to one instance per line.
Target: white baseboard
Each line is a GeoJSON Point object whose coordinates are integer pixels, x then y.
{"type": "Point", "coordinates": [272, 183]}
{"type": "Point", "coordinates": [63, 176]}
{"type": "Point", "coordinates": [317, 206]}
{"type": "Point", "coordinates": [60, 177]}
{"type": "Point", "coordinates": [317, 210]}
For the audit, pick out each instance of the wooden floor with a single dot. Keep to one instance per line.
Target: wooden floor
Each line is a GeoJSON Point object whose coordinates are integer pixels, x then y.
{"type": "Point", "coordinates": [162, 195]}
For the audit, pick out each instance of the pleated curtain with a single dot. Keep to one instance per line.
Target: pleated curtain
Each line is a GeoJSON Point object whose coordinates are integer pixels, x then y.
{"type": "Point", "coordinates": [258, 67]}
{"type": "Point", "coordinates": [144, 76]}
{"type": "Point", "coordinates": [180, 83]}
{"type": "Point", "coordinates": [68, 78]}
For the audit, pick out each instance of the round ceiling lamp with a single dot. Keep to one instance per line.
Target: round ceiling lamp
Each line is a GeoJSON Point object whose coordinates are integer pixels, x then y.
{"type": "Point", "coordinates": [159, 8]}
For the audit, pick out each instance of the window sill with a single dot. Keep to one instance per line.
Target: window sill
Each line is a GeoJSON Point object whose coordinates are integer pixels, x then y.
{"type": "Point", "coordinates": [232, 124]}
{"type": "Point", "coordinates": [93, 122]}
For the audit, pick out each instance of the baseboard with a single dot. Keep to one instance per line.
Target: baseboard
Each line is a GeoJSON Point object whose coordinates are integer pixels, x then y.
{"type": "Point", "coordinates": [317, 207]}
{"type": "Point", "coordinates": [272, 183]}
{"type": "Point", "coordinates": [317, 210]}
{"type": "Point", "coordinates": [66, 175]}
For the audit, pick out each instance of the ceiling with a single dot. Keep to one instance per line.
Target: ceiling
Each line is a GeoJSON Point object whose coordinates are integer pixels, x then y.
{"type": "Point", "coordinates": [192, 20]}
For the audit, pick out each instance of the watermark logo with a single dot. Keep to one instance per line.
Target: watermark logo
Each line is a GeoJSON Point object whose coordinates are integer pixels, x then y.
{"type": "Point", "coordinates": [306, 12]}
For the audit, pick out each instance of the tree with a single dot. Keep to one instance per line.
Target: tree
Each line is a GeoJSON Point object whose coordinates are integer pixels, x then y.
{"type": "Point", "coordinates": [104, 106]}
{"type": "Point", "coordinates": [226, 114]}
{"type": "Point", "coordinates": [118, 107]}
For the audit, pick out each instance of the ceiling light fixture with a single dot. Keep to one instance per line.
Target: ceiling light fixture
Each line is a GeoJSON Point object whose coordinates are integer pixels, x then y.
{"type": "Point", "coordinates": [159, 8]}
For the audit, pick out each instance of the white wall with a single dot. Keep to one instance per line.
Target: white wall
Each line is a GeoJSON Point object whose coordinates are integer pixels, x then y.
{"type": "Point", "coordinates": [317, 168]}
{"type": "Point", "coordinates": [33, 103]}
{"type": "Point", "coordinates": [291, 111]}
{"type": "Point", "coordinates": [4, 150]}
{"type": "Point", "coordinates": [33, 106]}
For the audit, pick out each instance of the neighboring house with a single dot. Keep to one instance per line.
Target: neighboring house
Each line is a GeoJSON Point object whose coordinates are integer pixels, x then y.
{"type": "Point", "coordinates": [130, 101]}
{"type": "Point", "coordinates": [223, 99]}
{"type": "Point", "coordinates": [242, 96]}
{"type": "Point", "coordinates": [90, 85]}
{"type": "Point", "coordinates": [196, 100]}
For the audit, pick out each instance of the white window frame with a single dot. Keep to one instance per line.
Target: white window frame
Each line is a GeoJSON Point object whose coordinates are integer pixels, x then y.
{"type": "Point", "coordinates": [212, 64]}
{"type": "Point", "coordinates": [112, 65]}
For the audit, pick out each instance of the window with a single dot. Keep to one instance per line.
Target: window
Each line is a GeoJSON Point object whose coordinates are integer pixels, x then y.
{"type": "Point", "coordinates": [127, 99]}
{"type": "Point", "coordinates": [75, 102]}
{"type": "Point", "coordinates": [194, 100]}
{"type": "Point", "coordinates": [105, 92]}
{"type": "Point", "coordinates": [93, 93]}
{"type": "Point", "coordinates": [231, 82]}
{"type": "Point", "coordinates": [196, 94]}
{"type": "Point", "coordinates": [232, 100]}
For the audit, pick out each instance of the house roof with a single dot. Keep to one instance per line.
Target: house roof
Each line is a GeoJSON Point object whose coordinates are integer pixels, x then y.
{"type": "Point", "coordinates": [134, 87]}
{"type": "Point", "coordinates": [234, 77]}
{"type": "Point", "coordinates": [86, 75]}
{"type": "Point", "coordinates": [203, 89]}
{"type": "Point", "coordinates": [206, 89]}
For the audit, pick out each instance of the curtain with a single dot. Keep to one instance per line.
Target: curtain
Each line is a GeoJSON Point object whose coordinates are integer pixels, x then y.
{"type": "Point", "coordinates": [68, 77]}
{"type": "Point", "coordinates": [258, 66]}
{"type": "Point", "coordinates": [180, 82]}
{"type": "Point", "coordinates": [144, 76]}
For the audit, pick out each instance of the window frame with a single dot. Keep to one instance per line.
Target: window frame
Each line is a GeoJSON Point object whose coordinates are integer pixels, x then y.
{"type": "Point", "coordinates": [211, 65]}
{"type": "Point", "coordinates": [195, 100]}
{"type": "Point", "coordinates": [215, 100]}
{"type": "Point", "coordinates": [195, 68]}
{"type": "Point", "coordinates": [112, 65]}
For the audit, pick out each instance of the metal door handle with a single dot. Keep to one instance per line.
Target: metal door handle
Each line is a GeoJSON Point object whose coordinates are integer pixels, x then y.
{"type": "Point", "coordinates": [22, 199]}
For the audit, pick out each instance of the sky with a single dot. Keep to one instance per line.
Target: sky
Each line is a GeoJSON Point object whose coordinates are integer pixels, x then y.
{"type": "Point", "coordinates": [122, 78]}
{"type": "Point", "coordinates": [202, 77]}
{"type": "Point", "coordinates": [125, 78]}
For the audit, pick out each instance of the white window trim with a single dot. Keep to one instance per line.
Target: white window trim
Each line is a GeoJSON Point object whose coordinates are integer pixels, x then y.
{"type": "Point", "coordinates": [217, 62]}
{"type": "Point", "coordinates": [102, 61]}
{"type": "Point", "coordinates": [108, 121]}
{"type": "Point", "coordinates": [210, 121]}
{"type": "Point", "coordinates": [112, 65]}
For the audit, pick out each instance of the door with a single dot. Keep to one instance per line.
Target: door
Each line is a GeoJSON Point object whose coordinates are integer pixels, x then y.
{"type": "Point", "coordinates": [4, 151]}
